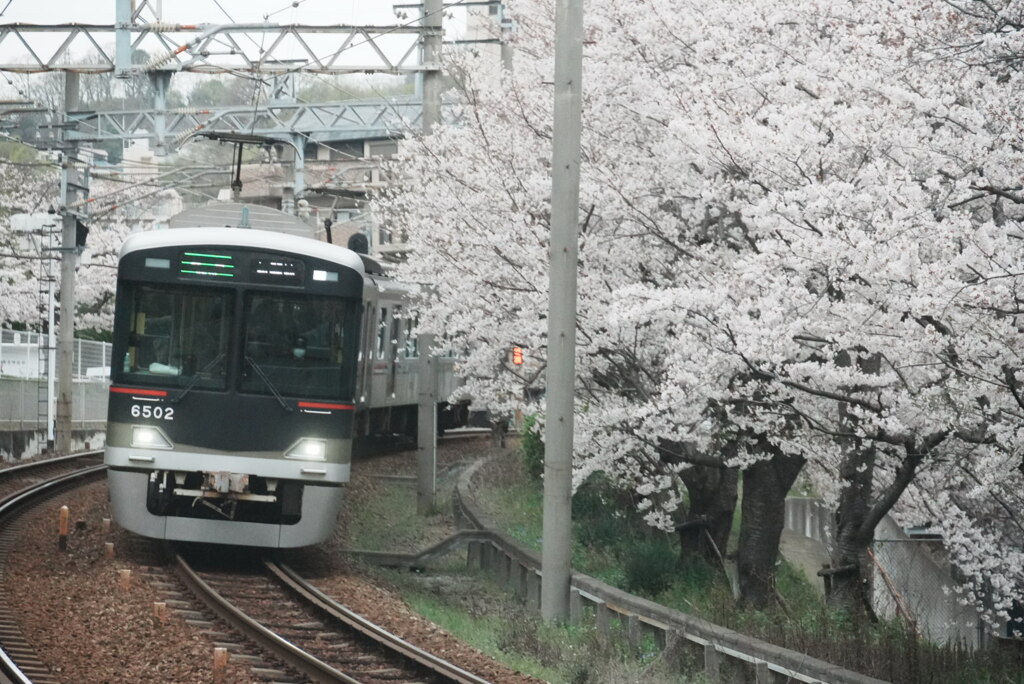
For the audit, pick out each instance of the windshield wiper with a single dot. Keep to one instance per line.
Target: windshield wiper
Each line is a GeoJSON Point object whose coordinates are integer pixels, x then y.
{"type": "Point", "coordinates": [195, 378]}
{"type": "Point", "coordinates": [266, 381]}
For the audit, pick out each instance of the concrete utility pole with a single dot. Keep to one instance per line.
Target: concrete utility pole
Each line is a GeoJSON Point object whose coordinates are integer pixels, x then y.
{"type": "Point", "coordinates": [68, 258]}
{"type": "Point", "coordinates": [426, 421]}
{"type": "Point", "coordinates": [123, 39]}
{"type": "Point", "coordinates": [426, 429]}
{"type": "Point", "coordinates": [561, 370]}
{"type": "Point", "coordinates": [433, 11]}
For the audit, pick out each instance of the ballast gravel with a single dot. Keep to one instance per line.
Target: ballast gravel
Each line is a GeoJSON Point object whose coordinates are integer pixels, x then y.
{"type": "Point", "coordinates": [89, 628]}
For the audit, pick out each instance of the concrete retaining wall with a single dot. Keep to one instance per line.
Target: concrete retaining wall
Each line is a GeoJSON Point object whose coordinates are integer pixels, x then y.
{"type": "Point", "coordinates": [23, 432]}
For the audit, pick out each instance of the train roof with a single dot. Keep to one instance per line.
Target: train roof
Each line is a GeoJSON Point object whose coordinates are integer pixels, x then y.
{"type": "Point", "coordinates": [243, 237]}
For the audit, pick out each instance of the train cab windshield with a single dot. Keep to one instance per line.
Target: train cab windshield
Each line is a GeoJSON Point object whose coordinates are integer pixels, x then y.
{"type": "Point", "coordinates": [178, 337]}
{"type": "Point", "coordinates": [296, 345]}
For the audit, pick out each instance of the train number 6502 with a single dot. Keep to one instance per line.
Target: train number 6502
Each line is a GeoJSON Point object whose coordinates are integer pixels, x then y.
{"type": "Point", "coordinates": [158, 412]}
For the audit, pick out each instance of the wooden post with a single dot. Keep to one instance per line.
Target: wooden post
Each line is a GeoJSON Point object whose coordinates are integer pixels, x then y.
{"type": "Point", "coordinates": [106, 526]}
{"type": "Point", "coordinates": [124, 579]}
{"type": "Point", "coordinates": [160, 611]}
{"type": "Point", "coordinates": [65, 513]}
{"type": "Point", "coordinates": [108, 549]}
{"type": "Point", "coordinates": [220, 664]}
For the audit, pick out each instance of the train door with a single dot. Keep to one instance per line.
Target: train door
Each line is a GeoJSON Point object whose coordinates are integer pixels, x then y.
{"type": "Point", "coordinates": [365, 360]}
{"type": "Point", "coordinates": [393, 347]}
{"type": "Point", "coordinates": [382, 381]}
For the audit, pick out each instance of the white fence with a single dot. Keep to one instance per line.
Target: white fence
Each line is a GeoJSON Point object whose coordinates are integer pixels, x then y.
{"type": "Point", "coordinates": [23, 383]}
{"type": "Point", "coordinates": [19, 356]}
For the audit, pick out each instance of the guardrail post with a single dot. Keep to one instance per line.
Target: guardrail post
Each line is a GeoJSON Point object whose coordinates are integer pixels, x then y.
{"type": "Point", "coordinates": [504, 568]}
{"type": "Point", "coordinates": [762, 674]}
{"type": "Point", "coordinates": [672, 651]}
{"type": "Point", "coordinates": [601, 618]}
{"type": "Point", "coordinates": [712, 663]}
{"type": "Point", "coordinates": [633, 630]}
{"type": "Point", "coordinates": [533, 590]}
{"type": "Point", "coordinates": [575, 606]}
{"type": "Point", "coordinates": [474, 556]}
{"type": "Point", "coordinates": [489, 554]}
{"type": "Point", "coordinates": [518, 580]}
{"type": "Point", "coordinates": [660, 637]}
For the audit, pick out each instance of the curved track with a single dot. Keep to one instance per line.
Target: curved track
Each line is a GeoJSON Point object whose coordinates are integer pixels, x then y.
{"type": "Point", "coordinates": [22, 486]}
{"type": "Point", "coordinates": [311, 633]}
{"type": "Point", "coordinates": [271, 605]}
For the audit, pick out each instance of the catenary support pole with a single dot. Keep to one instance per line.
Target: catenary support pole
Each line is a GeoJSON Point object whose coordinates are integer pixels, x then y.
{"type": "Point", "coordinates": [426, 437]}
{"type": "Point", "coordinates": [561, 370]}
{"type": "Point", "coordinates": [68, 258]}
{"type": "Point", "coordinates": [432, 22]}
{"type": "Point", "coordinates": [123, 39]}
{"type": "Point", "coordinates": [426, 429]}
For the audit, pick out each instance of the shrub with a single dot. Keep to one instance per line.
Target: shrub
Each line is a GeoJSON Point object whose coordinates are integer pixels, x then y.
{"type": "Point", "coordinates": [533, 448]}
{"type": "Point", "coordinates": [601, 518]}
{"type": "Point", "coordinates": [650, 568]}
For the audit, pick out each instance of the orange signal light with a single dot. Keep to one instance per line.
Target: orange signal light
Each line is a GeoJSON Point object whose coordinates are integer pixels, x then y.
{"type": "Point", "coordinates": [517, 356]}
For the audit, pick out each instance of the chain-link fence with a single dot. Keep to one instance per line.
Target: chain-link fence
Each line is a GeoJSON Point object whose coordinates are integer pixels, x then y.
{"type": "Point", "coordinates": [20, 356]}
{"type": "Point", "coordinates": [23, 382]}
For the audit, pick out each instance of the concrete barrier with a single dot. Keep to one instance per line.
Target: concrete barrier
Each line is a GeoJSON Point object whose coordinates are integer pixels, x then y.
{"type": "Point", "coordinates": [723, 654]}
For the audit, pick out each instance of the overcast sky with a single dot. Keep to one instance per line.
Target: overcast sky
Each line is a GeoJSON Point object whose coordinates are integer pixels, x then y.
{"type": "Point", "coordinates": [206, 11]}
{"type": "Point", "coordinates": [314, 12]}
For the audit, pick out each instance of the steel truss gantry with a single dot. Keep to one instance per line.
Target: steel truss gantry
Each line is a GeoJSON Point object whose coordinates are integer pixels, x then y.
{"type": "Point", "coordinates": [210, 48]}
{"type": "Point", "coordinates": [315, 122]}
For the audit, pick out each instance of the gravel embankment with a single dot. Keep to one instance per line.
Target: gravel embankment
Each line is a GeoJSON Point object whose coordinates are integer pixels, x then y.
{"type": "Point", "coordinates": [91, 631]}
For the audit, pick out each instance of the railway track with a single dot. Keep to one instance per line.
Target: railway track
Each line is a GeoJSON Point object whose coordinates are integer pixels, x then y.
{"type": "Point", "coordinates": [308, 631]}
{"type": "Point", "coordinates": [275, 624]}
{"type": "Point", "coordinates": [22, 486]}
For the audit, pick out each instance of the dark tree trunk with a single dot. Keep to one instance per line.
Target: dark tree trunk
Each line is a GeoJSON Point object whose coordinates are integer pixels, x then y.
{"type": "Point", "coordinates": [705, 531]}
{"type": "Point", "coordinates": [765, 486]}
{"type": "Point", "coordinates": [849, 579]}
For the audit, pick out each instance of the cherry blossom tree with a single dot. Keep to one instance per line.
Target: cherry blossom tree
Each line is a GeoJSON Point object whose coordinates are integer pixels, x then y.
{"type": "Point", "coordinates": [798, 252]}
{"type": "Point", "coordinates": [34, 189]}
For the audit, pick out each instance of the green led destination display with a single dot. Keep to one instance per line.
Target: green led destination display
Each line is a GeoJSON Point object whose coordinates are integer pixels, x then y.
{"type": "Point", "coordinates": [207, 264]}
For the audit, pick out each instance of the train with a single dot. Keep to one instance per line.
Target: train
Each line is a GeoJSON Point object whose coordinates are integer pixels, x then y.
{"type": "Point", "coordinates": [246, 364]}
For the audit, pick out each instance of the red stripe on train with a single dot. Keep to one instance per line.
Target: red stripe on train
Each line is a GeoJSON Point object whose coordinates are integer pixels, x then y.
{"type": "Point", "coordinates": [318, 405]}
{"type": "Point", "coordinates": [140, 392]}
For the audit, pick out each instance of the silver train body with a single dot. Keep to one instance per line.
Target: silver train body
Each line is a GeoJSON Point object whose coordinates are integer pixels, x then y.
{"type": "Point", "coordinates": [246, 363]}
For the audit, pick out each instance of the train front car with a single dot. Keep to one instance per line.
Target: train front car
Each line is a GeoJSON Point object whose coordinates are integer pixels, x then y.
{"type": "Point", "coordinates": [231, 402]}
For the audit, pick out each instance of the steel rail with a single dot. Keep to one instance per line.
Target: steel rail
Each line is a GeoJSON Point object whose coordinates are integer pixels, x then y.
{"type": "Point", "coordinates": [293, 656]}
{"type": "Point", "coordinates": [9, 670]}
{"type": "Point", "coordinates": [394, 643]}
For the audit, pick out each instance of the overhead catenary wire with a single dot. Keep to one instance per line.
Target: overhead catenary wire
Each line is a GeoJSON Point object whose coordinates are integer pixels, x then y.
{"type": "Point", "coordinates": [262, 83]}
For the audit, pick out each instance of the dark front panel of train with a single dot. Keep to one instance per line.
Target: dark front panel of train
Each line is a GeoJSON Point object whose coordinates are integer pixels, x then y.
{"type": "Point", "coordinates": [230, 342]}
{"type": "Point", "coordinates": [229, 421]}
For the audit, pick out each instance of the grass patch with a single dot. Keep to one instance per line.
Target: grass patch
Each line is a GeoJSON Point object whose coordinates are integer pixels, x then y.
{"type": "Point", "coordinates": [386, 518]}
{"type": "Point", "coordinates": [473, 609]}
{"type": "Point", "coordinates": [611, 543]}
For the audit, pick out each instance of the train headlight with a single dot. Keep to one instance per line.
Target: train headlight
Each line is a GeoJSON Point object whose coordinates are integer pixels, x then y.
{"type": "Point", "coordinates": [308, 450]}
{"type": "Point", "coordinates": [149, 437]}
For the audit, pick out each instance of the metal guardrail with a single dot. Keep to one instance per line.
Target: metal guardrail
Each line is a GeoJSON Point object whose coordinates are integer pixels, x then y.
{"type": "Point", "coordinates": [726, 655]}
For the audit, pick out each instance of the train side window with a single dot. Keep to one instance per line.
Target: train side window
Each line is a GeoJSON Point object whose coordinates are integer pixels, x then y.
{"type": "Point", "coordinates": [411, 347]}
{"type": "Point", "coordinates": [382, 333]}
{"type": "Point", "coordinates": [396, 332]}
